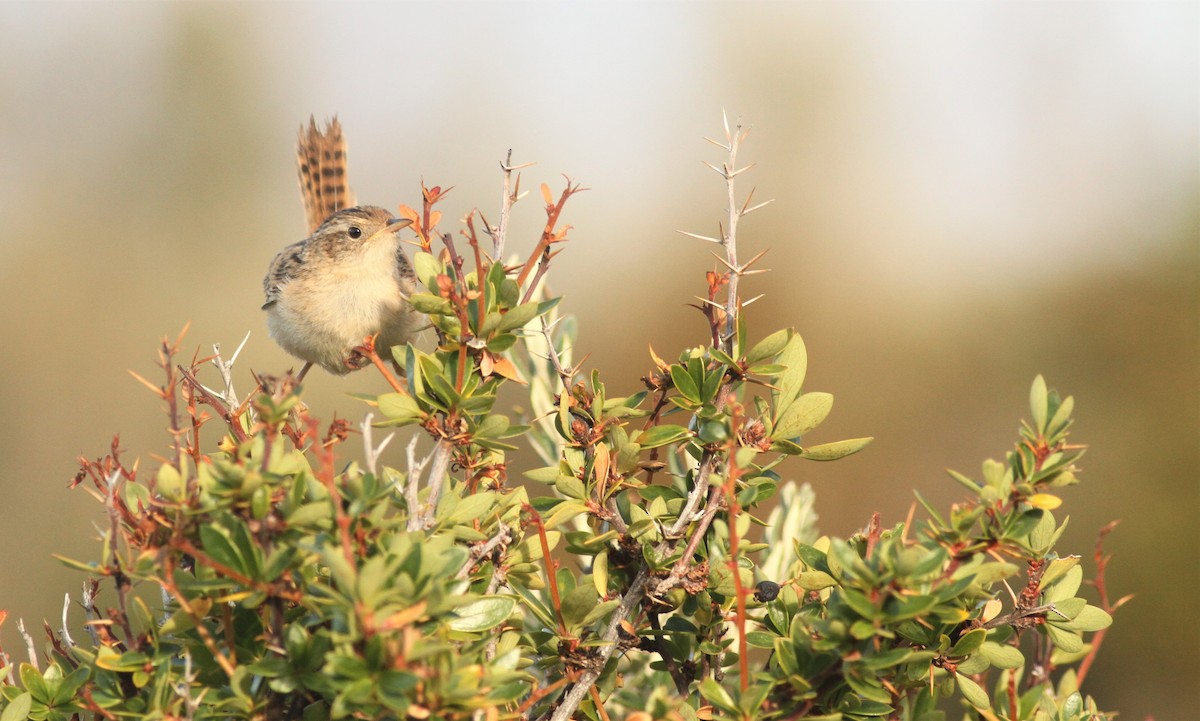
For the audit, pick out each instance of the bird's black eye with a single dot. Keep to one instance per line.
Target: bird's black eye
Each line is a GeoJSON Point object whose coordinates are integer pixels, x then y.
{"type": "Point", "coordinates": [355, 231]}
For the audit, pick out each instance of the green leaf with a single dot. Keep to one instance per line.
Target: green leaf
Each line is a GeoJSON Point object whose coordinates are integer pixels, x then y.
{"type": "Point", "coordinates": [815, 580]}
{"type": "Point", "coordinates": [1062, 417]}
{"type": "Point", "coordinates": [837, 449]}
{"type": "Point", "coordinates": [715, 694]}
{"type": "Point", "coordinates": [1001, 655]}
{"type": "Point", "coordinates": [217, 543]}
{"type": "Point", "coordinates": [1038, 404]}
{"type": "Point", "coordinates": [786, 447]}
{"type": "Point", "coordinates": [1068, 641]}
{"type": "Point", "coordinates": [546, 474]}
{"type": "Point", "coordinates": [887, 659]}
{"type": "Point", "coordinates": [493, 426]}
{"type": "Point", "coordinates": [969, 643]}
{"type": "Point", "coordinates": [795, 357]}
{"type": "Point", "coordinates": [427, 269]}
{"type": "Point", "coordinates": [964, 481]}
{"type": "Point", "coordinates": [577, 603]}
{"type": "Point", "coordinates": [801, 416]}
{"type": "Point", "coordinates": [399, 406]}
{"type": "Point", "coordinates": [685, 384]}
{"type": "Point", "coordinates": [1091, 618]}
{"type": "Point", "coordinates": [477, 505]}
{"type": "Point", "coordinates": [600, 610]}
{"type": "Point", "coordinates": [770, 346]}
{"type": "Point", "coordinates": [1066, 586]}
{"type": "Point", "coordinates": [1058, 567]}
{"type": "Point", "coordinates": [486, 613]}
{"type": "Point", "coordinates": [522, 314]}
{"type": "Point", "coordinates": [430, 304]}
{"type": "Point", "coordinates": [18, 708]}
{"type": "Point", "coordinates": [564, 512]}
{"type": "Point", "coordinates": [570, 486]}
{"type": "Point", "coordinates": [972, 692]}
{"type": "Point", "coordinates": [662, 435]}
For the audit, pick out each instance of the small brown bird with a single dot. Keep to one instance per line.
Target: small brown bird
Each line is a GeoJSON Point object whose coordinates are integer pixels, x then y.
{"type": "Point", "coordinates": [349, 279]}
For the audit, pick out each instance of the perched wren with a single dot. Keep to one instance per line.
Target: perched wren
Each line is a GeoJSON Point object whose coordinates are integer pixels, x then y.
{"type": "Point", "coordinates": [349, 279]}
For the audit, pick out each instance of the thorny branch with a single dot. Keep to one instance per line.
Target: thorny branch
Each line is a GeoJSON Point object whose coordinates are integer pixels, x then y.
{"type": "Point", "coordinates": [512, 193]}
{"type": "Point", "coordinates": [724, 332]}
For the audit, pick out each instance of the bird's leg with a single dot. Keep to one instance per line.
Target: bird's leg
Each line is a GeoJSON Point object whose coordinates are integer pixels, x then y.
{"type": "Point", "coordinates": [300, 375]}
{"type": "Point", "coordinates": [357, 359]}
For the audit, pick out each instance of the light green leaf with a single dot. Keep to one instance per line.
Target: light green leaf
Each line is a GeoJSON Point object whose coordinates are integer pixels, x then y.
{"type": "Point", "coordinates": [1062, 417]}
{"type": "Point", "coordinates": [600, 572]}
{"type": "Point", "coordinates": [717, 696]}
{"type": "Point", "coordinates": [474, 506]}
{"type": "Point", "coordinates": [972, 692]}
{"type": "Point", "coordinates": [1066, 586]}
{"type": "Point", "coordinates": [1058, 567]}
{"type": "Point", "coordinates": [430, 304]}
{"type": "Point", "coordinates": [1039, 403]}
{"type": "Point", "coordinates": [1091, 618]}
{"type": "Point", "coordinates": [837, 449]}
{"type": "Point", "coordinates": [600, 610]}
{"type": "Point", "coordinates": [1001, 655]}
{"type": "Point", "coordinates": [768, 347]}
{"type": "Point", "coordinates": [427, 269]}
{"type": "Point", "coordinates": [564, 512]}
{"type": "Point", "coordinates": [486, 613]}
{"type": "Point", "coordinates": [18, 708]}
{"type": "Point", "coordinates": [1068, 641]}
{"type": "Point", "coordinates": [815, 580]}
{"type": "Point", "coordinates": [801, 416]}
{"type": "Point", "coordinates": [399, 406]}
{"type": "Point", "coordinates": [795, 357]}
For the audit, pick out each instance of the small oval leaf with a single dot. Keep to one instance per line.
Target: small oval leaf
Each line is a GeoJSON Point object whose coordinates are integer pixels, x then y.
{"type": "Point", "coordinates": [486, 613]}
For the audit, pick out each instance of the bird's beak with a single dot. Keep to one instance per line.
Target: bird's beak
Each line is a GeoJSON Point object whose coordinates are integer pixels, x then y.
{"type": "Point", "coordinates": [394, 224]}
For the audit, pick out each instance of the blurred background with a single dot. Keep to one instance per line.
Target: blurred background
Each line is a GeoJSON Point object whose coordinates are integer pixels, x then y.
{"type": "Point", "coordinates": [966, 195]}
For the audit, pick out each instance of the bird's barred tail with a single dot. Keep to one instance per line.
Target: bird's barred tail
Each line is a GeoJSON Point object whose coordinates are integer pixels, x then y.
{"type": "Point", "coordinates": [321, 163]}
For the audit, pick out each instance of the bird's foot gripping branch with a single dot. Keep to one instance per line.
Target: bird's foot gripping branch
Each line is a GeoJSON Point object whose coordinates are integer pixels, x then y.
{"type": "Point", "coordinates": [258, 572]}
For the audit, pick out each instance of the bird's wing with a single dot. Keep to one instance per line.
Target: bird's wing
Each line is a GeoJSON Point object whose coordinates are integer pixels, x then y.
{"type": "Point", "coordinates": [288, 264]}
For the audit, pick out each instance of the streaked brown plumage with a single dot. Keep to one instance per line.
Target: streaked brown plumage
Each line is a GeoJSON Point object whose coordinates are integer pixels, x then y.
{"type": "Point", "coordinates": [349, 279]}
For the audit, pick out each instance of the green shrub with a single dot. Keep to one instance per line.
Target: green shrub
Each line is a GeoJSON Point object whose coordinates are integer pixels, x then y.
{"type": "Point", "coordinates": [258, 574]}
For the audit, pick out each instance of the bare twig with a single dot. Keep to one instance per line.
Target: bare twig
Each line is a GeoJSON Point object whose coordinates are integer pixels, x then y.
{"type": "Point", "coordinates": [566, 375]}
{"type": "Point", "coordinates": [512, 193]}
{"type": "Point", "coordinates": [438, 461]}
{"type": "Point", "coordinates": [65, 631]}
{"type": "Point", "coordinates": [412, 484]}
{"type": "Point", "coordinates": [29, 646]}
{"type": "Point", "coordinates": [370, 450]}
{"type": "Point", "coordinates": [728, 231]}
